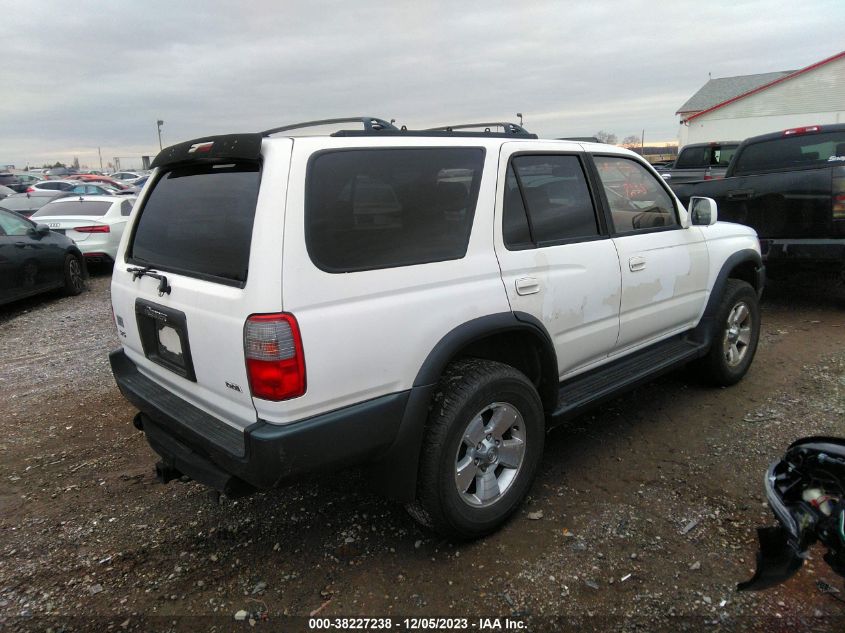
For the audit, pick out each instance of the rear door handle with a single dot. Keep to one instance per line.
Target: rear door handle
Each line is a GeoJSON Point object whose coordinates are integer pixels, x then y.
{"type": "Point", "coordinates": [636, 263]}
{"type": "Point", "coordinates": [740, 194]}
{"type": "Point", "coordinates": [527, 286]}
{"type": "Point", "coordinates": [20, 244]}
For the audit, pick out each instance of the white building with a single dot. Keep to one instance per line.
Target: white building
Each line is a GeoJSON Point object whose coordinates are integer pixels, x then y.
{"type": "Point", "coordinates": [734, 108]}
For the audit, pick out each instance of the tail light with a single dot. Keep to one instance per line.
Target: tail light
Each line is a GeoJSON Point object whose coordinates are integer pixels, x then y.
{"type": "Point", "coordinates": [275, 362]}
{"type": "Point", "coordinates": [98, 228]}
{"type": "Point", "coordinates": [30, 189]}
{"type": "Point", "coordinates": [838, 191]}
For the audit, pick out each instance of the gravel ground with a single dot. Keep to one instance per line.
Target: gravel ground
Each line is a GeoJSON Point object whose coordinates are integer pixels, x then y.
{"type": "Point", "coordinates": [642, 518]}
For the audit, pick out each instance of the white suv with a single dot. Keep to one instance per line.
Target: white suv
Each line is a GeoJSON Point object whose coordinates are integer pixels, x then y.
{"type": "Point", "coordinates": [426, 304]}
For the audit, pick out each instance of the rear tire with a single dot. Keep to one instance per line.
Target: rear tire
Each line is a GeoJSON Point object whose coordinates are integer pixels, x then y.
{"type": "Point", "coordinates": [74, 277]}
{"type": "Point", "coordinates": [735, 338]}
{"type": "Point", "coordinates": [481, 449]}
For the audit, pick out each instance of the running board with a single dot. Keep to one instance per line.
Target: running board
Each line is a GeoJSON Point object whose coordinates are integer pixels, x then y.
{"type": "Point", "coordinates": [606, 382]}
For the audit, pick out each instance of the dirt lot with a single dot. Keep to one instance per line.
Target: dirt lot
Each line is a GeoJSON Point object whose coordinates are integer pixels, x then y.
{"type": "Point", "coordinates": [647, 507]}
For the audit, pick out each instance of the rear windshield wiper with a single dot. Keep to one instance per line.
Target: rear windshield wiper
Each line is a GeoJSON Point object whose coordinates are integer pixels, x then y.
{"type": "Point", "coordinates": [163, 286]}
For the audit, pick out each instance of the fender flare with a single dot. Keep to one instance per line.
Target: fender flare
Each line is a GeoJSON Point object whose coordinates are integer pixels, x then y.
{"type": "Point", "coordinates": [394, 474]}
{"type": "Point", "coordinates": [475, 330]}
{"type": "Point", "coordinates": [704, 330]}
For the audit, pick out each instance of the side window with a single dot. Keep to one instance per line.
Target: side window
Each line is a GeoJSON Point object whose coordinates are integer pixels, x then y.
{"type": "Point", "coordinates": [547, 200]}
{"type": "Point", "coordinates": [11, 224]}
{"type": "Point", "coordinates": [381, 208]}
{"type": "Point", "coordinates": [515, 230]}
{"type": "Point", "coordinates": [126, 207]}
{"type": "Point", "coordinates": [637, 200]}
{"type": "Point", "coordinates": [692, 157]}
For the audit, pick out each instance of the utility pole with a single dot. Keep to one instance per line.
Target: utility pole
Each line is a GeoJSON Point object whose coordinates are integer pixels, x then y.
{"type": "Point", "coordinates": [159, 123]}
{"type": "Point", "coordinates": [519, 114]}
{"type": "Point", "coordinates": [100, 154]}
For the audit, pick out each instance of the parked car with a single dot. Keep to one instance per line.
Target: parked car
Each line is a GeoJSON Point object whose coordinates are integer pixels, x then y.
{"type": "Point", "coordinates": [790, 187]}
{"type": "Point", "coordinates": [700, 161]}
{"type": "Point", "coordinates": [423, 303]}
{"type": "Point", "coordinates": [95, 189]}
{"type": "Point", "coordinates": [6, 191]}
{"type": "Point", "coordinates": [53, 185]}
{"type": "Point", "coordinates": [98, 179]}
{"type": "Point", "coordinates": [136, 185]}
{"type": "Point", "coordinates": [661, 165]}
{"type": "Point", "coordinates": [33, 259]}
{"type": "Point", "coordinates": [95, 223]}
{"type": "Point", "coordinates": [26, 204]}
{"type": "Point", "coordinates": [126, 175]}
{"type": "Point", "coordinates": [58, 172]}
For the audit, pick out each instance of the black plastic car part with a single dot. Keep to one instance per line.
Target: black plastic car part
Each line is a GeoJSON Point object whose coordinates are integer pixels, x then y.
{"type": "Point", "coordinates": [806, 491]}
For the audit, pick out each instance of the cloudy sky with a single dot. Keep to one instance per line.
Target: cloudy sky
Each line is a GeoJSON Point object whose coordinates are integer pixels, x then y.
{"type": "Point", "coordinates": [81, 75]}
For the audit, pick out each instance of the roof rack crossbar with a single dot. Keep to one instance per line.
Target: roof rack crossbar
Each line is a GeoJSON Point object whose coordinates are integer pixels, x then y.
{"type": "Point", "coordinates": [510, 128]}
{"type": "Point", "coordinates": [370, 124]}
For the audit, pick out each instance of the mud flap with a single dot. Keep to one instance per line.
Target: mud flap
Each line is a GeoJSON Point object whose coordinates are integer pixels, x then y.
{"type": "Point", "coordinates": [777, 560]}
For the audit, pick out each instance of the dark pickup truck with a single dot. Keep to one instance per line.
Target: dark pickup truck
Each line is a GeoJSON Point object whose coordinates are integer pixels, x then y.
{"type": "Point", "coordinates": [790, 187]}
{"type": "Point", "coordinates": [700, 161]}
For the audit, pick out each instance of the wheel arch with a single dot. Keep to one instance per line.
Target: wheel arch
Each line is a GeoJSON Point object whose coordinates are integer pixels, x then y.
{"type": "Point", "coordinates": [514, 338]}
{"type": "Point", "coordinates": [517, 339]}
{"type": "Point", "coordinates": [745, 265]}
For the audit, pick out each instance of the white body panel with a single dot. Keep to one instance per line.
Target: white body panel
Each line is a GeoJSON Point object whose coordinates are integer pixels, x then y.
{"type": "Point", "coordinates": [578, 285]}
{"type": "Point", "coordinates": [664, 284]}
{"type": "Point", "coordinates": [215, 312]}
{"type": "Point", "coordinates": [366, 334]}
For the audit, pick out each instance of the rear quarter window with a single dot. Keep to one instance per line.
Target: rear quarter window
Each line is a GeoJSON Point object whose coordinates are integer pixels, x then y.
{"type": "Point", "coordinates": [198, 221]}
{"type": "Point", "coordinates": [383, 208]}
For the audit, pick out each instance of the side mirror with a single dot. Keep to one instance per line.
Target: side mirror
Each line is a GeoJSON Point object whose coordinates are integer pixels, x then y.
{"type": "Point", "coordinates": [42, 229]}
{"type": "Point", "coordinates": [703, 211]}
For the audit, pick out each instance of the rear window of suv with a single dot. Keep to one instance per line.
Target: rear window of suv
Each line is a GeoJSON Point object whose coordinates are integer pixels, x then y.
{"type": "Point", "coordinates": [384, 208]}
{"type": "Point", "coordinates": [805, 151]}
{"type": "Point", "coordinates": [197, 221]}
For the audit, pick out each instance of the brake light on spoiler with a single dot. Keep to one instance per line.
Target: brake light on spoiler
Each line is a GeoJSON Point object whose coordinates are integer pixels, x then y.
{"type": "Point", "coordinates": [275, 361]}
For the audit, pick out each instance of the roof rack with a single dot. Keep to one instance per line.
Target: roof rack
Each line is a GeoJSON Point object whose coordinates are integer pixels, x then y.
{"type": "Point", "coordinates": [510, 129]}
{"type": "Point", "coordinates": [371, 124]}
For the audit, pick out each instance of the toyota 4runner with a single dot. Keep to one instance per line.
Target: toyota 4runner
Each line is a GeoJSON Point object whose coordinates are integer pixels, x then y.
{"type": "Point", "coordinates": [424, 304]}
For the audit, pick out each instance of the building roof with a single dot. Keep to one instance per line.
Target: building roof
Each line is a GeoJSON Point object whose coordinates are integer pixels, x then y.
{"type": "Point", "coordinates": [719, 90]}
{"type": "Point", "coordinates": [784, 76]}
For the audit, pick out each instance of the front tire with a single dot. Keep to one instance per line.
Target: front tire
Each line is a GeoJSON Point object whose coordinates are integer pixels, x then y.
{"type": "Point", "coordinates": [74, 277]}
{"type": "Point", "coordinates": [735, 338]}
{"type": "Point", "coordinates": [480, 453]}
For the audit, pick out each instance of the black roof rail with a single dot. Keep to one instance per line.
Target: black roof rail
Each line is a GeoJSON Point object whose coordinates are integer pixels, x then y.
{"type": "Point", "coordinates": [371, 124]}
{"type": "Point", "coordinates": [510, 129]}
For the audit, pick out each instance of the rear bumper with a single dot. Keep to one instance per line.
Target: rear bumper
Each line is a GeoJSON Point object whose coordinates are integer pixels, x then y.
{"type": "Point", "coordinates": [803, 251]}
{"type": "Point", "coordinates": [263, 456]}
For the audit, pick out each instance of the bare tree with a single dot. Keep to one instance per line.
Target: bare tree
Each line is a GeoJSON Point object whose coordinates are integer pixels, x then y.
{"type": "Point", "coordinates": [631, 142]}
{"type": "Point", "coordinates": [606, 137]}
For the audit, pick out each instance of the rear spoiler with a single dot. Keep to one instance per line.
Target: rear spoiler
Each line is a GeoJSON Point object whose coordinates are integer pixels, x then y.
{"type": "Point", "coordinates": [212, 150]}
